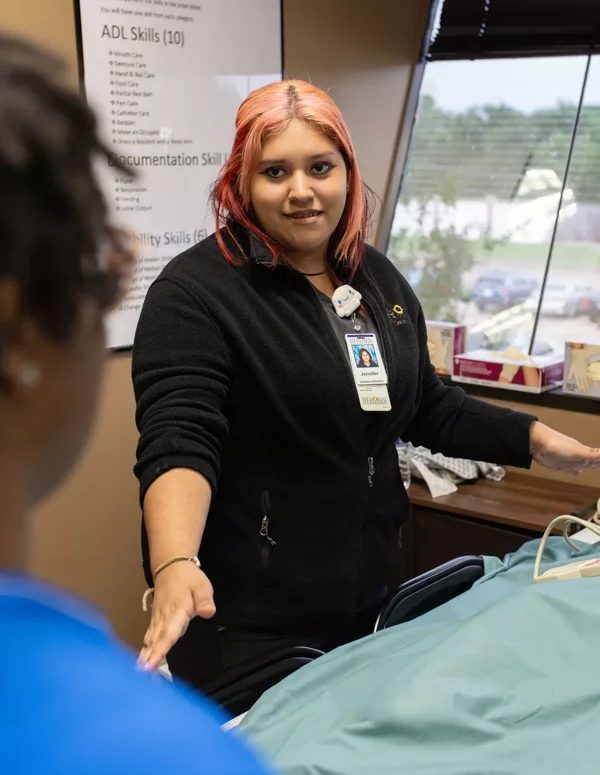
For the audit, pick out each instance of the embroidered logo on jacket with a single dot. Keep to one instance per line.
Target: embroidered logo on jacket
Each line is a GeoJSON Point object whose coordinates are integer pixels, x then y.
{"type": "Point", "coordinates": [396, 315]}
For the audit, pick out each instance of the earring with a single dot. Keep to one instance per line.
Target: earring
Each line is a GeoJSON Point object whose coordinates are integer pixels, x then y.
{"type": "Point", "coordinates": [30, 374]}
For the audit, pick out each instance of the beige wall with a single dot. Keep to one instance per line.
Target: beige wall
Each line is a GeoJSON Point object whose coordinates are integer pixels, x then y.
{"type": "Point", "coordinates": [49, 22]}
{"type": "Point", "coordinates": [87, 537]}
{"type": "Point", "coordinates": [364, 54]}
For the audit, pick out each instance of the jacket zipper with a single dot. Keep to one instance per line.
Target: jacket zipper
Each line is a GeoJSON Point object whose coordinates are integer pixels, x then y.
{"type": "Point", "coordinates": [371, 301]}
{"type": "Point", "coordinates": [371, 464]}
{"type": "Point", "coordinates": [264, 531]}
{"type": "Point", "coordinates": [267, 542]}
{"type": "Point", "coordinates": [329, 328]}
{"type": "Point", "coordinates": [386, 349]}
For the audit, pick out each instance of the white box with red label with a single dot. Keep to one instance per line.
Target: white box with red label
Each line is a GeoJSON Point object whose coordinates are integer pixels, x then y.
{"type": "Point", "coordinates": [510, 370]}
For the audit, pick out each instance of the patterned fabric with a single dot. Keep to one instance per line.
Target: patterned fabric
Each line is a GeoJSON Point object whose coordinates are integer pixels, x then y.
{"type": "Point", "coordinates": [441, 473]}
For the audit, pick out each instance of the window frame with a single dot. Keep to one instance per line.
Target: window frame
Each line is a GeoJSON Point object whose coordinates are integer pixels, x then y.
{"type": "Point", "coordinates": [553, 398]}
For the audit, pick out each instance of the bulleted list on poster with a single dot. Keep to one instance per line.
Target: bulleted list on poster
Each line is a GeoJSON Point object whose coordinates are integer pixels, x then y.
{"type": "Point", "coordinates": [166, 79]}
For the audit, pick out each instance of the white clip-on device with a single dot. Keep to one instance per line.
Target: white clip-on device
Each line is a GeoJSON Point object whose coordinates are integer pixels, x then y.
{"type": "Point", "coordinates": [573, 570]}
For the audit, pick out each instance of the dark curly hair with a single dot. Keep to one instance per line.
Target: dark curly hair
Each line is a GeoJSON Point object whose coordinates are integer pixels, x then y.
{"type": "Point", "coordinates": [56, 241]}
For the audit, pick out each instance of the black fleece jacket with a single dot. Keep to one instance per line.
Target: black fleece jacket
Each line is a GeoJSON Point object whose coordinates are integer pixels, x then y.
{"type": "Point", "coordinates": [238, 375]}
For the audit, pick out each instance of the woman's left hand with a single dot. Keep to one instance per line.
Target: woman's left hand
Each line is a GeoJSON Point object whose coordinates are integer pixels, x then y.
{"type": "Point", "coordinates": [552, 449]}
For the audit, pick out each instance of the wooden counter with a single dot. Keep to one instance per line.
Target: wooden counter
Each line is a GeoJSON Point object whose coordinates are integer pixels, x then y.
{"type": "Point", "coordinates": [520, 501]}
{"type": "Point", "coordinates": [485, 517]}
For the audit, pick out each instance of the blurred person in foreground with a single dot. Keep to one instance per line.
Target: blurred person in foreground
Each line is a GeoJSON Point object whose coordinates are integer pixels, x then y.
{"type": "Point", "coordinates": [71, 699]}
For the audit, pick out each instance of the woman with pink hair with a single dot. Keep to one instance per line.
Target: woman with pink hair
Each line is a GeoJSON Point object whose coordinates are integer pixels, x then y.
{"type": "Point", "coordinates": [268, 473]}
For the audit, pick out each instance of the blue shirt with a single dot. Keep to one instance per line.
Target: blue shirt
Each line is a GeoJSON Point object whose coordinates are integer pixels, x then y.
{"type": "Point", "coordinates": [71, 700]}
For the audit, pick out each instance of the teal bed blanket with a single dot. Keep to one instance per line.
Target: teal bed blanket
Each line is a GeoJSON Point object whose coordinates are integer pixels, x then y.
{"type": "Point", "coordinates": [504, 679]}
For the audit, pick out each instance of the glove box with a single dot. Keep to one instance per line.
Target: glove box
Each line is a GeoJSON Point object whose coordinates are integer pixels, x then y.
{"type": "Point", "coordinates": [582, 369]}
{"type": "Point", "coordinates": [511, 369]}
{"type": "Point", "coordinates": [444, 341]}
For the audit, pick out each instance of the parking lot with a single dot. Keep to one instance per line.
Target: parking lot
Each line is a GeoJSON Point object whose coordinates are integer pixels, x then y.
{"type": "Point", "coordinates": [551, 329]}
{"type": "Point", "coordinates": [554, 330]}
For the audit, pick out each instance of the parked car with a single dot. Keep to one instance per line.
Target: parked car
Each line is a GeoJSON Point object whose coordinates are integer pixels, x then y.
{"type": "Point", "coordinates": [501, 290]}
{"type": "Point", "coordinates": [566, 298]}
{"type": "Point", "coordinates": [516, 332]}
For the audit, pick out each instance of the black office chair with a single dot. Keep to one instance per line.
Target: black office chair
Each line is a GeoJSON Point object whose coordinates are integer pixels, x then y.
{"type": "Point", "coordinates": [248, 682]}
{"type": "Point", "coordinates": [429, 590]}
{"type": "Point", "coordinates": [245, 685]}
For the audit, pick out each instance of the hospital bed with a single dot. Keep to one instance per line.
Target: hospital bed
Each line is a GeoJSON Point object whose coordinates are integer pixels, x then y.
{"type": "Point", "coordinates": [488, 674]}
{"type": "Point", "coordinates": [415, 597]}
{"type": "Point", "coordinates": [412, 599]}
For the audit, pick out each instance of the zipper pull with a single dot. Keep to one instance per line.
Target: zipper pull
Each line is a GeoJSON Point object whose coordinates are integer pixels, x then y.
{"type": "Point", "coordinates": [264, 530]}
{"type": "Point", "coordinates": [264, 527]}
{"type": "Point", "coordinates": [371, 471]}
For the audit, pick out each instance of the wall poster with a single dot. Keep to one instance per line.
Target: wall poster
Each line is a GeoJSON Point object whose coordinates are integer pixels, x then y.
{"type": "Point", "coordinates": [166, 79]}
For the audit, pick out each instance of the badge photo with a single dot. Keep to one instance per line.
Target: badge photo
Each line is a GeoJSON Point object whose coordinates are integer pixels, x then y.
{"type": "Point", "coordinates": [365, 359]}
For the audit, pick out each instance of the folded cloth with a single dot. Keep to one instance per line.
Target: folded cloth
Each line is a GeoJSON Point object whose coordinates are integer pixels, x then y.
{"type": "Point", "coordinates": [441, 474]}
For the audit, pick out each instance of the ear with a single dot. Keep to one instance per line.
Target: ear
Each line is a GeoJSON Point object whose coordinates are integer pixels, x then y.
{"type": "Point", "coordinates": [19, 365]}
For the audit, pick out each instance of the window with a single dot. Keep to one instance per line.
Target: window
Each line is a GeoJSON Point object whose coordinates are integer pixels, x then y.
{"type": "Point", "coordinates": [497, 223]}
{"type": "Point", "coordinates": [571, 300]}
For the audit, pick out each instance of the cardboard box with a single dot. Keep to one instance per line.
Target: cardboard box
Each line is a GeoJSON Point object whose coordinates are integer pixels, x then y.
{"type": "Point", "coordinates": [444, 341]}
{"type": "Point", "coordinates": [511, 370]}
{"type": "Point", "coordinates": [582, 369]}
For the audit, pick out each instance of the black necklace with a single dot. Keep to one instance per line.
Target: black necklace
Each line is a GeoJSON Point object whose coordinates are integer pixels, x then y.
{"type": "Point", "coordinates": [313, 274]}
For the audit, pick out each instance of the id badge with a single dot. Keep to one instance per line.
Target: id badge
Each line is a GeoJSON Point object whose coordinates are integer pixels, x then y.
{"type": "Point", "coordinates": [374, 398]}
{"type": "Point", "coordinates": [365, 359]}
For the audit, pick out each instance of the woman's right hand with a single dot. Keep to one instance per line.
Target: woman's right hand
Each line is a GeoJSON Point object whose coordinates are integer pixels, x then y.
{"type": "Point", "coordinates": [181, 591]}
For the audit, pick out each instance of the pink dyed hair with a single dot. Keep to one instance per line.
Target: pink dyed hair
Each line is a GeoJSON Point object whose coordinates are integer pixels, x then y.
{"type": "Point", "coordinates": [264, 113]}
